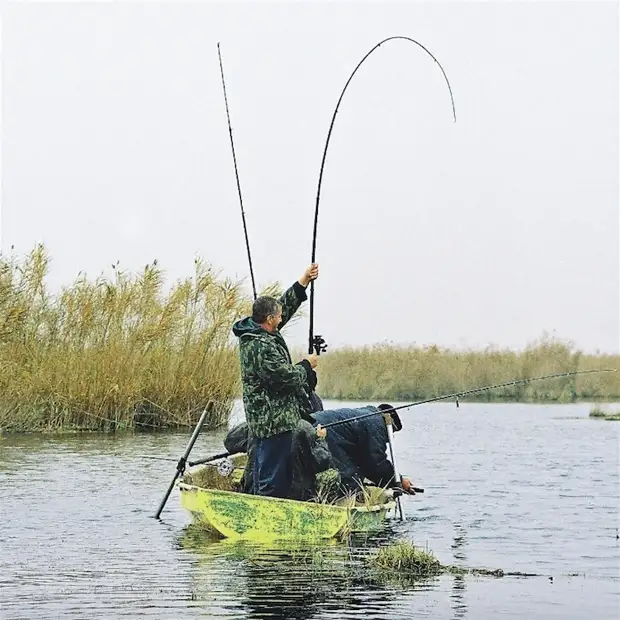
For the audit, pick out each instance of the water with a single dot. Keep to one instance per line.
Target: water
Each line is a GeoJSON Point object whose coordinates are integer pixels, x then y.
{"type": "Point", "coordinates": [520, 487]}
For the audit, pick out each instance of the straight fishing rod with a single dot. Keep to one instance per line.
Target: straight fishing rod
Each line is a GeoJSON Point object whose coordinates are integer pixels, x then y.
{"type": "Point", "coordinates": [314, 346]}
{"type": "Point", "coordinates": [208, 459]}
{"type": "Point", "coordinates": [232, 145]}
{"type": "Point", "coordinates": [456, 395]}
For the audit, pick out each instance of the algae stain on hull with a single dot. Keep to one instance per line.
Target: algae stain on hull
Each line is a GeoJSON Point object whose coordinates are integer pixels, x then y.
{"type": "Point", "coordinates": [238, 515]}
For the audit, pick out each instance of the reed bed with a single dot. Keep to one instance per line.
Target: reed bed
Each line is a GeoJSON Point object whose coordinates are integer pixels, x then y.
{"type": "Point", "coordinates": [412, 373]}
{"type": "Point", "coordinates": [113, 354]}
{"type": "Point", "coordinates": [129, 353]}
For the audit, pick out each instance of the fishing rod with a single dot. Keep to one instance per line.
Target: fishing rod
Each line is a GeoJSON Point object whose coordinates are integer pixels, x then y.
{"type": "Point", "coordinates": [456, 395]}
{"type": "Point", "coordinates": [207, 459]}
{"type": "Point", "coordinates": [315, 346]}
{"type": "Point", "coordinates": [213, 457]}
{"type": "Point", "coordinates": [232, 145]}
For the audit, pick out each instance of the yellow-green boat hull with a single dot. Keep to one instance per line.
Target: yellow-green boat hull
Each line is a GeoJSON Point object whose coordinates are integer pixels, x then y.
{"type": "Point", "coordinates": [250, 517]}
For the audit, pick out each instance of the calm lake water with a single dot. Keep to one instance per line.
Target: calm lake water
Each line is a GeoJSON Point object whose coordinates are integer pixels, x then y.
{"type": "Point", "coordinates": [520, 487]}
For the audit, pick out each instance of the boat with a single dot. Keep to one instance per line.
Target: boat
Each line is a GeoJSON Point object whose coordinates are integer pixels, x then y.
{"type": "Point", "coordinates": [215, 504]}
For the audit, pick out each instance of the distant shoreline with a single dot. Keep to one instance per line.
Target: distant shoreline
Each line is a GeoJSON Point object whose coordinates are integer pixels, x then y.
{"type": "Point", "coordinates": [409, 374]}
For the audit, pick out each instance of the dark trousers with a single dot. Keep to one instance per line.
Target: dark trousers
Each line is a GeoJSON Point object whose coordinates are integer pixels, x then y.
{"type": "Point", "coordinates": [272, 465]}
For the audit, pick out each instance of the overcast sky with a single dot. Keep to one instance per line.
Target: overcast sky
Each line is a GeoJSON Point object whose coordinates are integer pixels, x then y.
{"type": "Point", "coordinates": [490, 230]}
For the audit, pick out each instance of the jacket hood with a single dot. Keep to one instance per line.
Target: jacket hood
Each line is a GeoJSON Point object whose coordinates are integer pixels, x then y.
{"type": "Point", "coordinates": [246, 326]}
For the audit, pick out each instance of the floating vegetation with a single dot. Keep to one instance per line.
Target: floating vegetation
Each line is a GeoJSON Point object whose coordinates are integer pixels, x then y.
{"type": "Point", "coordinates": [402, 561]}
{"type": "Point", "coordinates": [406, 559]}
{"type": "Point", "coordinates": [597, 412]}
{"type": "Point", "coordinates": [399, 564]}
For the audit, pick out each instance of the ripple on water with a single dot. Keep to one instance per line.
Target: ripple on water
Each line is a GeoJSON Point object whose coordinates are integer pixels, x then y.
{"type": "Point", "coordinates": [512, 487]}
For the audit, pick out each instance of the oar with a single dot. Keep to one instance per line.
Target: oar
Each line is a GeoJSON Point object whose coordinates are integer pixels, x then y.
{"type": "Point", "coordinates": [183, 460]}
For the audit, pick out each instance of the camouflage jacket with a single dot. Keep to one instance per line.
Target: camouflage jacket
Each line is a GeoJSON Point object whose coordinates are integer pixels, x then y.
{"type": "Point", "coordinates": [274, 389]}
{"type": "Point", "coordinates": [309, 456]}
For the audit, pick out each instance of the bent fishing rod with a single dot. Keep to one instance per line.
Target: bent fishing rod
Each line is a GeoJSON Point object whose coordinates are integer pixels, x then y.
{"type": "Point", "coordinates": [232, 145]}
{"type": "Point", "coordinates": [315, 345]}
{"type": "Point", "coordinates": [456, 395]}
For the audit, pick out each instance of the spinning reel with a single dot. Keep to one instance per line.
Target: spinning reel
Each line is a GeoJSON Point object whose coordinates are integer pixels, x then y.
{"type": "Point", "coordinates": [225, 468]}
{"type": "Point", "coordinates": [319, 345]}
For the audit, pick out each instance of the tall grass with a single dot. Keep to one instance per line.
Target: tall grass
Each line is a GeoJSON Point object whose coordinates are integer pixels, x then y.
{"type": "Point", "coordinates": [115, 353]}
{"type": "Point", "coordinates": [126, 352]}
{"type": "Point", "coordinates": [415, 373]}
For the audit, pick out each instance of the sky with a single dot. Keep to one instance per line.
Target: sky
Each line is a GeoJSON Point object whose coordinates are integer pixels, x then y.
{"type": "Point", "coordinates": [490, 231]}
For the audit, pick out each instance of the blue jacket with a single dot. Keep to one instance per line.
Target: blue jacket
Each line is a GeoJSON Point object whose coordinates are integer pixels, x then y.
{"type": "Point", "coordinates": [358, 448]}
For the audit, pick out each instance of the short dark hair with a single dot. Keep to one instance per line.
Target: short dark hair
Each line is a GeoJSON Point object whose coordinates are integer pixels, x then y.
{"type": "Point", "coordinates": [264, 307]}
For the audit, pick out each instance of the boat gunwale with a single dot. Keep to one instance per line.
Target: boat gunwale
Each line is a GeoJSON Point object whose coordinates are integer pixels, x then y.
{"type": "Point", "coordinates": [389, 505]}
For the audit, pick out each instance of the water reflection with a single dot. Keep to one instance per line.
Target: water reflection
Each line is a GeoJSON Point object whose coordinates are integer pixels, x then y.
{"type": "Point", "coordinates": [457, 596]}
{"type": "Point", "coordinates": [298, 581]}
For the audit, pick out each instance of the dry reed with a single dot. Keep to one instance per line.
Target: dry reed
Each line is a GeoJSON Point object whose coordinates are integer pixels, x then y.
{"type": "Point", "coordinates": [115, 354]}
{"type": "Point", "coordinates": [412, 373]}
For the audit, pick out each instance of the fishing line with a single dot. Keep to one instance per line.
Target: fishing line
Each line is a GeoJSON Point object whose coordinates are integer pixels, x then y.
{"type": "Point", "coordinates": [466, 392]}
{"type": "Point", "coordinates": [312, 345]}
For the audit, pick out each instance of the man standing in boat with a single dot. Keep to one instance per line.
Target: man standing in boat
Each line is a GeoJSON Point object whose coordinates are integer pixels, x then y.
{"type": "Point", "coordinates": [274, 389]}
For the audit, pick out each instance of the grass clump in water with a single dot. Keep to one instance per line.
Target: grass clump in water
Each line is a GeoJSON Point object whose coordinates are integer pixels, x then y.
{"type": "Point", "coordinates": [405, 558]}
{"type": "Point", "coordinates": [597, 412]}
{"type": "Point", "coordinates": [403, 562]}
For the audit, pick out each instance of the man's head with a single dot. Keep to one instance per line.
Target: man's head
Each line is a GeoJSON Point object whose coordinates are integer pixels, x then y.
{"type": "Point", "coordinates": [267, 312]}
{"type": "Point", "coordinates": [396, 423]}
